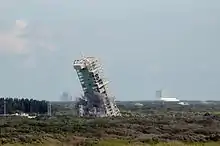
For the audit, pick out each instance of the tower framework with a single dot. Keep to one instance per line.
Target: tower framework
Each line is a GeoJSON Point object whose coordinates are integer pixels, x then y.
{"type": "Point", "coordinates": [97, 100]}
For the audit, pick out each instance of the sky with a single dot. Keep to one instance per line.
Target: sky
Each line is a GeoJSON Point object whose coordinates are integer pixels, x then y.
{"type": "Point", "coordinates": [144, 46]}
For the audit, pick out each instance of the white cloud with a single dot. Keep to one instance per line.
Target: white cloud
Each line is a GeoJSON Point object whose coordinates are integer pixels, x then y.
{"type": "Point", "coordinates": [20, 39]}
{"type": "Point", "coordinates": [11, 41]}
{"type": "Point", "coordinates": [26, 40]}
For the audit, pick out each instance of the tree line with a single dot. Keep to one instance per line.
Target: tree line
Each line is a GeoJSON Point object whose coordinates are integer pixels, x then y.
{"type": "Point", "coordinates": [15, 105]}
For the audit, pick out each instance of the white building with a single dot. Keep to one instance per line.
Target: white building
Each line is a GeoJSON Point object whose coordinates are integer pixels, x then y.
{"type": "Point", "coordinates": [163, 96]}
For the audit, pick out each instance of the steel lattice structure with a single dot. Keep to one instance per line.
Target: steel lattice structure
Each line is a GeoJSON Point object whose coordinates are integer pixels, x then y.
{"type": "Point", "coordinates": [96, 100]}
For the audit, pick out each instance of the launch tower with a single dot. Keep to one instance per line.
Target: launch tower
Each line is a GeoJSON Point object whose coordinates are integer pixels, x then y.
{"type": "Point", "coordinates": [97, 100]}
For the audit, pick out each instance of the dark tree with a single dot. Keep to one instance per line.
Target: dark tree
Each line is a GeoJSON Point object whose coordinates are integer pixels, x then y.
{"type": "Point", "coordinates": [14, 105]}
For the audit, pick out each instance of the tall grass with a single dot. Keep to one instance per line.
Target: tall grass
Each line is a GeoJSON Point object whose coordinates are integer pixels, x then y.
{"type": "Point", "coordinates": [122, 143]}
{"type": "Point", "coordinates": [126, 143]}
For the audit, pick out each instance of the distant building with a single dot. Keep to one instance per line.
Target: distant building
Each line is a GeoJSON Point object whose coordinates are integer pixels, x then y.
{"type": "Point", "coordinates": [66, 97]}
{"type": "Point", "coordinates": [169, 99]}
{"type": "Point", "coordinates": [183, 103]}
{"type": "Point", "coordinates": [163, 97]}
{"type": "Point", "coordinates": [139, 104]}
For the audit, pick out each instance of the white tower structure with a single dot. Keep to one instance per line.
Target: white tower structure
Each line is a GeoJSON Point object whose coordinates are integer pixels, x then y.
{"type": "Point", "coordinates": [97, 100]}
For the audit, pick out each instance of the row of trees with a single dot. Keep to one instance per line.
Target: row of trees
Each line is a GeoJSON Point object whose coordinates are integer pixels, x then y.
{"type": "Point", "coordinates": [14, 105]}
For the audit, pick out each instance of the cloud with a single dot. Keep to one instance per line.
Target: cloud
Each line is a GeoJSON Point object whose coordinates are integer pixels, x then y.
{"type": "Point", "coordinates": [21, 39]}
{"type": "Point", "coordinates": [12, 41]}
{"type": "Point", "coordinates": [26, 40]}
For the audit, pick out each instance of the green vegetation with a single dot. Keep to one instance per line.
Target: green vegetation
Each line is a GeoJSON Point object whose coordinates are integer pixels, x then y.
{"type": "Point", "coordinates": [116, 143]}
{"type": "Point", "coordinates": [153, 124]}
{"type": "Point", "coordinates": [14, 105]}
{"type": "Point", "coordinates": [174, 143]}
{"type": "Point", "coordinates": [152, 129]}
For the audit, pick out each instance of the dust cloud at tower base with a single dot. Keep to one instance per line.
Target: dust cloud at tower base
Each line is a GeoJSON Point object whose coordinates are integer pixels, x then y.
{"type": "Point", "coordinates": [96, 101]}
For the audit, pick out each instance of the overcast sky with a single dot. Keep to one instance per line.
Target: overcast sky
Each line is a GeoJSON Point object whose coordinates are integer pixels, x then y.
{"type": "Point", "coordinates": [144, 45]}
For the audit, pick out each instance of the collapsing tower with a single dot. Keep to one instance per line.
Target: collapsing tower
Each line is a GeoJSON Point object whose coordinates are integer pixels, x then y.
{"type": "Point", "coordinates": [96, 100]}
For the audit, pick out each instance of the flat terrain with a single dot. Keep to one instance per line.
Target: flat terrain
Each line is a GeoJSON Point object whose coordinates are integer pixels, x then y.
{"type": "Point", "coordinates": [152, 124]}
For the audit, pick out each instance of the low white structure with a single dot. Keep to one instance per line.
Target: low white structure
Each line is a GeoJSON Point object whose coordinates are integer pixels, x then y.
{"type": "Point", "coordinates": [183, 103]}
{"type": "Point", "coordinates": [24, 115]}
{"type": "Point", "coordinates": [169, 99]}
{"type": "Point", "coordinates": [138, 104]}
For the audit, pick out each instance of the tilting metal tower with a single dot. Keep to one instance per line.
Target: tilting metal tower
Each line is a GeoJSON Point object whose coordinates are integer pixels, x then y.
{"type": "Point", "coordinates": [96, 101]}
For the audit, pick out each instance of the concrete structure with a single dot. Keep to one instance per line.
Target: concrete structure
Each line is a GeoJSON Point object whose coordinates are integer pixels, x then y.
{"type": "Point", "coordinates": [97, 100]}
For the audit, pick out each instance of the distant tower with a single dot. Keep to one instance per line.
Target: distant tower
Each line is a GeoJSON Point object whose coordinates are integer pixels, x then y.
{"type": "Point", "coordinates": [49, 109]}
{"type": "Point", "coordinates": [159, 94]}
{"type": "Point", "coordinates": [5, 108]}
{"type": "Point", "coordinates": [65, 96]}
{"type": "Point", "coordinates": [96, 96]}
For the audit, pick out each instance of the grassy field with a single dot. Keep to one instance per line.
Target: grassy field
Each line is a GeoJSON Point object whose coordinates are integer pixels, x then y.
{"type": "Point", "coordinates": [118, 143]}
{"type": "Point", "coordinates": [198, 125]}
{"type": "Point", "coordinates": [174, 143]}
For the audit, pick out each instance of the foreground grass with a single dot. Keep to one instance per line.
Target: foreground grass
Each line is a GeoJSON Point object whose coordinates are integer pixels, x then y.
{"type": "Point", "coordinates": [151, 130]}
{"type": "Point", "coordinates": [119, 143]}
{"type": "Point", "coordinates": [126, 143]}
